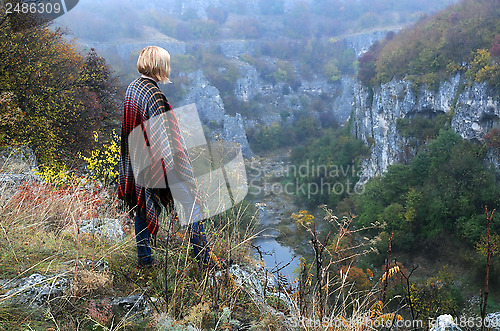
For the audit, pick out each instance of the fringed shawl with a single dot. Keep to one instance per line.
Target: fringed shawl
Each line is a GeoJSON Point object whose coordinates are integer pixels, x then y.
{"type": "Point", "coordinates": [143, 101]}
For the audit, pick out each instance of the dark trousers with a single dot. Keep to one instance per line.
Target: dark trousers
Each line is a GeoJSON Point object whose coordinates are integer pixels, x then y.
{"type": "Point", "coordinates": [196, 232]}
{"type": "Point", "coordinates": [142, 237]}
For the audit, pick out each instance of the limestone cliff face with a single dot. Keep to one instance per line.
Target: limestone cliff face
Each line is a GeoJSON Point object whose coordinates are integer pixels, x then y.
{"type": "Point", "coordinates": [206, 97]}
{"type": "Point", "coordinates": [210, 107]}
{"type": "Point", "coordinates": [270, 100]}
{"type": "Point", "coordinates": [361, 42]}
{"type": "Point", "coordinates": [475, 110]}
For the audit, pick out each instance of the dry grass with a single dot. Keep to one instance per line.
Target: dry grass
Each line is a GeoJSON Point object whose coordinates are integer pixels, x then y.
{"type": "Point", "coordinates": [90, 283]}
{"type": "Point", "coordinates": [39, 230]}
{"type": "Point", "coordinates": [39, 233]}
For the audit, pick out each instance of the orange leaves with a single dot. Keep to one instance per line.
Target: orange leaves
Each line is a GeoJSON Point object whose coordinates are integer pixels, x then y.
{"type": "Point", "coordinates": [303, 218]}
{"type": "Point", "coordinates": [357, 276]}
{"type": "Point", "coordinates": [388, 274]}
{"type": "Point", "coordinates": [214, 259]}
{"type": "Point", "coordinates": [180, 235]}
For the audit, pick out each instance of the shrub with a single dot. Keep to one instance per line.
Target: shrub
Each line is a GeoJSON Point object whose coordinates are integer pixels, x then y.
{"type": "Point", "coordinates": [492, 139]}
{"type": "Point", "coordinates": [444, 188]}
{"type": "Point", "coordinates": [103, 162]}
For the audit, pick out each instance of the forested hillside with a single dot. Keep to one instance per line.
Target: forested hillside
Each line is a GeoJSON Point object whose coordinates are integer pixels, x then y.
{"type": "Point", "coordinates": [463, 38]}
{"type": "Point", "coordinates": [211, 19]}
{"type": "Point", "coordinates": [433, 149]}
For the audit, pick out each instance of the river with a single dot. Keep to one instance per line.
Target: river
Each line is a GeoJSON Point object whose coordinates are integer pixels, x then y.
{"type": "Point", "coordinates": [274, 204]}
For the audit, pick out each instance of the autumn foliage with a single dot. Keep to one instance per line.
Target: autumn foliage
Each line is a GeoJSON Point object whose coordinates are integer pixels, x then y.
{"type": "Point", "coordinates": [51, 96]}
{"type": "Point", "coordinates": [463, 35]}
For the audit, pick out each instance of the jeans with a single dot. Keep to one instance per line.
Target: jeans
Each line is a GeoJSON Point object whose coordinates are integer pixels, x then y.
{"type": "Point", "coordinates": [196, 231]}
{"type": "Point", "coordinates": [142, 237]}
{"type": "Point", "coordinates": [199, 242]}
{"type": "Point", "coordinates": [192, 213]}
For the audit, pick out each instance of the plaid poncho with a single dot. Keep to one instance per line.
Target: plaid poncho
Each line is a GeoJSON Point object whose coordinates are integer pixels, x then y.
{"type": "Point", "coordinates": [144, 100]}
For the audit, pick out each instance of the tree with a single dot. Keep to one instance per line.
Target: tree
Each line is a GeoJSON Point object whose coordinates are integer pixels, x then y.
{"type": "Point", "coordinates": [247, 28]}
{"type": "Point", "coordinates": [443, 190]}
{"type": "Point", "coordinates": [495, 47]}
{"type": "Point", "coordinates": [62, 97]}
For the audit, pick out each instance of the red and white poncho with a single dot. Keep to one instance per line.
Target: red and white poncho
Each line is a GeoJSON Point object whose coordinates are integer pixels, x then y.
{"type": "Point", "coordinates": [143, 101]}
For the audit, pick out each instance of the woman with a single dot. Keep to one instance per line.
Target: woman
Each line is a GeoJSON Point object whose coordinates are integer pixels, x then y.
{"type": "Point", "coordinates": [145, 103]}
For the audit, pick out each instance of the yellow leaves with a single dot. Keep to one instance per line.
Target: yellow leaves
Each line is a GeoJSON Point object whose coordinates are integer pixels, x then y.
{"type": "Point", "coordinates": [486, 72]}
{"type": "Point", "coordinates": [482, 244]}
{"type": "Point", "coordinates": [214, 259]}
{"type": "Point", "coordinates": [482, 68]}
{"type": "Point", "coordinates": [233, 282]}
{"type": "Point", "coordinates": [56, 174]}
{"type": "Point", "coordinates": [377, 318]}
{"type": "Point", "coordinates": [103, 162]}
{"type": "Point", "coordinates": [52, 110]}
{"type": "Point", "coordinates": [376, 309]}
{"type": "Point", "coordinates": [303, 217]}
{"type": "Point", "coordinates": [388, 274]}
{"type": "Point", "coordinates": [9, 112]}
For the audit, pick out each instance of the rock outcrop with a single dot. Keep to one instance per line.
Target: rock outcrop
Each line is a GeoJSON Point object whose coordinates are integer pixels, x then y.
{"type": "Point", "coordinates": [445, 323]}
{"type": "Point", "coordinates": [17, 166]}
{"type": "Point", "coordinates": [110, 228]}
{"type": "Point", "coordinates": [474, 110]}
{"type": "Point", "coordinates": [268, 100]}
{"type": "Point", "coordinates": [206, 97]}
{"type": "Point", "coordinates": [35, 290]}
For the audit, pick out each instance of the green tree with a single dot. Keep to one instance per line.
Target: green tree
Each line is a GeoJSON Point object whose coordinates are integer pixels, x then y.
{"type": "Point", "coordinates": [60, 96]}
{"type": "Point", "coordinates": [444, 189]}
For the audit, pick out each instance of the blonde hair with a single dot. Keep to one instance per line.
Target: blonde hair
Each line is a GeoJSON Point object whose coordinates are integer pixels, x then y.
{"type": "Point", "coordinates": [154, 62]}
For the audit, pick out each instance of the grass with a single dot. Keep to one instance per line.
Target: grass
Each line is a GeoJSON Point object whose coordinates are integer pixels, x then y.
{"type": "Point", "coordinates": [39, 234]}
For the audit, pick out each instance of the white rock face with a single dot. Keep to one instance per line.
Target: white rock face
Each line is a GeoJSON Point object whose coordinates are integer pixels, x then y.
{"type": "Point", "coordinates": [249, 85]}
{"type": "Point", "coordinates": [445, 323]}
{"type": "Point", "coordinates": [111, 228]}
{"type": "Point", "coordinates": [475, 110]}
{"type": "Point", "coordinates": [234, 130]}
{"type": "Point", "coordinates": [361, 42]}
{"type": "Point", "coordinates": [206, 97]}
{"type": "Point", "coordinates": [35, 290]}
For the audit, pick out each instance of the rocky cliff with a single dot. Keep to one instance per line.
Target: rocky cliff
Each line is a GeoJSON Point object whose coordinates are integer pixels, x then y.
{"type": "Point", "coordinates": [474, 110]}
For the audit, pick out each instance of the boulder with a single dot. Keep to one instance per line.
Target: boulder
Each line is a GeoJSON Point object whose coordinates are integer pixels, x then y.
{"type": "Point", "coordinates": [445, 323]}
{"type": "Point", "coordinates": [111, 228]}
{"type": "Point", "coordinates": [35, 290]}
